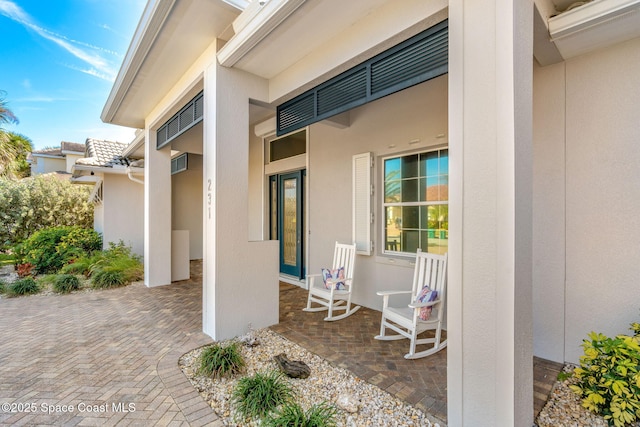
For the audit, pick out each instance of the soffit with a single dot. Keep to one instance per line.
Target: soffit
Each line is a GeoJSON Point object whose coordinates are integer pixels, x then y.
{"type": "Point", "coordinates": [170, 37]}
{"type": "Point", "coordinates": [304, 31]}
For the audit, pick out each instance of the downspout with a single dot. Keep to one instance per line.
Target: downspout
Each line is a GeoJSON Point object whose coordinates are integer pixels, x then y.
{"type": "Point", "coordinates": [130, 175]}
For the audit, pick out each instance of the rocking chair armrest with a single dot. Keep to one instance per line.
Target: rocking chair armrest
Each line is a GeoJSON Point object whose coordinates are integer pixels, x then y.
{"type": "Point", "coordinates": [387, 293]}
{"type": "Point", "coordinates": [311, 278]}
{"type": "Point", "coordinates": [418, 304]}
{"type": "Point", "coordinates": [346, 282]}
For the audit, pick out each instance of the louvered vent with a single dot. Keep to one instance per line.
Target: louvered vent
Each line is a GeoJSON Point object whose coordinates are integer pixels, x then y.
{"type": "Point", "coordinates": [416, 62]}
{"type": "Point", "coordinates": [300, 110]}
{"type": "Point", "coordinates": [413, 61]}
{"type": "Point", "coordinates": [350, 87]}
{"type": "Point", "coordinates": [190, 115]}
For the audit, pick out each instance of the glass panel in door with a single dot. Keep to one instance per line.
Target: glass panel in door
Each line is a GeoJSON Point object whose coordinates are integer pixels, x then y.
{"type": "Point", "coordinates": [290, 217]}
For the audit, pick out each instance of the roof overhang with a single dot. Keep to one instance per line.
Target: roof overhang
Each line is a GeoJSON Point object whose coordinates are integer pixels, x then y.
{"type": "Point", "coordinates": [595, 25]}
{"type": "Point", "coordinates": [297, 44]}
{"type": "Point", "coordinates": [77, 170]}
{"type": "Point", "coordinates": [170, 36]}
{"type": "Point", "coordinates": [48, 156]}
{"type": "Point", "coordinates": [135, 149]}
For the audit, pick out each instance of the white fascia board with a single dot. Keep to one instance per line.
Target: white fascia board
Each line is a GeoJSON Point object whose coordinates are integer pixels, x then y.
{"type": "Point", "coordinates": [47, 156]}
{"type": "Point", "coordinates": [589, 15]}
{"type": "Point", "coordinates": [253, 32]}
{"type": "Point", "coordinates": [137, 143]}
{"type": "Point", "coordinates": [154, 15]}
{"type": "Point", "coordinates": [138, 171]}
{"type": "Point", "coordinates": [100, 169]}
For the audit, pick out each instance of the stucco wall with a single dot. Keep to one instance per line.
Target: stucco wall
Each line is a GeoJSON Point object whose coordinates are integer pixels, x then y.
{"type": "Point", "coordinates": [256, 187]}
{"type": "Point", "coordinates": [123, 212]}
{"type": "Point", "coordinates": [586, 163]}
{"type": "Point", "coordinates": [187, 203]}
{"type": "Point", "coordinates": [47, 165]}
{"type": "Point", "coordinates": [384, 127]}
{"type": "Point", "coordinates": [70, 160]}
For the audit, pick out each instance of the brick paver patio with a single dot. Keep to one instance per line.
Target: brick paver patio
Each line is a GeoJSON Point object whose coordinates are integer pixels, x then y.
{"type": "Point", "coordinates": [100, 352]}
{"type": "Point", "coordinates": [112, 355]}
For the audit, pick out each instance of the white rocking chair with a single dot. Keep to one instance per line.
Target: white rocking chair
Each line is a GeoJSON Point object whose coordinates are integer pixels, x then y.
{"type": "Point", "coordinates": [330, 298]}
{"type": "Point", "coordinates": [430, 270]}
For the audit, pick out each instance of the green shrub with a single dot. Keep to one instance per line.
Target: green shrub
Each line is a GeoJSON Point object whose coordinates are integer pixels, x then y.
{"type": "Point", "coordinates": [41, 202]}
{"type": "Point", "coordinates": [105, 279]}
{"type": "Point", "coordinates": [65, 283]}
{"type": "Point", "coordinates": [608, 378]}
{"type": "Point", "coordinates": [25, 286]}
{"type": "Point", "coordinates": [79, 266]}
{"type": "Point", "coordinates": [292, 415]}
{"type": "Point", "coordinates": [51, 248]}
{"type": "Point", "coordinates": [3, 286]}
{"type": "Point", "coordinates": [256, 396]}
{"type": "Point", "coordinates": [78, 242]}
{"type": "Point", "coordinates": [221, 361]}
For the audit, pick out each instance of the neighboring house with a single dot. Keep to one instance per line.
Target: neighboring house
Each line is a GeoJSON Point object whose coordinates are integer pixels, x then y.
{"type": "Point", "coordinates": [117, 192]}
{"type": "Point", "coordinates": [55, 159]}
{"type": "Point", "coordinates": [492, 130]}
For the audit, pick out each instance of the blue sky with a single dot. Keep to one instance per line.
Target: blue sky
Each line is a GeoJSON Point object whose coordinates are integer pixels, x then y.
{"type": "Point", "coordinates": [58, 61]}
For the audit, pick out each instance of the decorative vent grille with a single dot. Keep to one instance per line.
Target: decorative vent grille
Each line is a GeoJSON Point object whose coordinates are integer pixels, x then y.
{"type": "Point", "coordinates": [344, 91]}
{"type": "Point", "coordinates": [190, 115]}
{"type": "Point", "coordinates": [179, 163]}
{"type": "Point", "coordinates": [299, 112]}
{"type": "Point", "coordinates": [416, 60]}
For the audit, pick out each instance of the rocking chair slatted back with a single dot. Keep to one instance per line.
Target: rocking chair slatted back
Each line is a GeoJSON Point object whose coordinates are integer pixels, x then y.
{"type": "Point", "coordinates": [430, 270]}
{"type": "Point", "coordinates": [343, 256]}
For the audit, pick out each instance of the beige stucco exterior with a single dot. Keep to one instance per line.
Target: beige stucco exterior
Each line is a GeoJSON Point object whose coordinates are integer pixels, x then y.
{"type": "Point", "coordinates": [122, 212]}
{"type": "Point", "coordinates": [542, 178]}
{"type": "Point", "coordinates": [586, 226]}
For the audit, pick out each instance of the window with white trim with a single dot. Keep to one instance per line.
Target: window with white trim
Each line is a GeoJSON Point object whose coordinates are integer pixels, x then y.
{"type": "Point", "coordinates": [416, 203]}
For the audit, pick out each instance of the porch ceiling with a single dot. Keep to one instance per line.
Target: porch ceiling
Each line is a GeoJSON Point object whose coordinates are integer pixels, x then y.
{"type": "Point", "coordinates": [171, 35]}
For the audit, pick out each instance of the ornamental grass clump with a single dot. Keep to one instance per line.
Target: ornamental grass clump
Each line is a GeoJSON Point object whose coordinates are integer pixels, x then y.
{"type": "Point", "coordinates": [292, 415]}
{"type": "Point", "coordinates": [608, 378]}
{"type": "Point", "coordinates": [65, 283]}
{"type": "Point", "coordinates": [26, 286]}
{"type": "Point", "coordinates": [258, 395]}
{"type": "Point", "coordinates": [105, 279]}
{"type": "Point", "coordinates": [221, 361]}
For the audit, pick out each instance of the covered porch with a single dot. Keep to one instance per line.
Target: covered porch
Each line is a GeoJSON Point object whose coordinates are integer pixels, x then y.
{"type": "Point", "coordinates": [349, 344]}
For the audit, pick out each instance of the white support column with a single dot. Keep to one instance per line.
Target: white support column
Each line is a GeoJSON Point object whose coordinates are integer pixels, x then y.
{"type": "Point", "coordinates": [490, 372]}
{"type": "Point", "coordinates": [157, 213]}
{"type": "Point", "coordinates": [240, 278]}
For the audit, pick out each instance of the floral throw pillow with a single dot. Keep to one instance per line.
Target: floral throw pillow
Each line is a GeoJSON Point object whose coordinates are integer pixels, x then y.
{"type": "Point", "coordinates": [426, 295]}
{"type": "Point", "coordinates": [329, 276]}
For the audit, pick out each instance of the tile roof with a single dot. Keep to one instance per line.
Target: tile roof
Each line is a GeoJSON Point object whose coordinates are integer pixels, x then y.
{"type": "Point", "coordinates": [72, 146]}
{"type": "Point", "coordinates": [57, 151]}
{"type": "Point", "coordinates": [104, 154]}
{"type": "Point", "coordinates": [48, 152]}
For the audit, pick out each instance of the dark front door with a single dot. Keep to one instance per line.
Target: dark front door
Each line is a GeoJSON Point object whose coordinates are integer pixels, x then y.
{"type": "Point", "coordinates": [287, 220]}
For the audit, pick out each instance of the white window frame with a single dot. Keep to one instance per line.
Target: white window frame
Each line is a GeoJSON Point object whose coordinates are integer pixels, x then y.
{"type": "Point", "coordinates": [383, 205]}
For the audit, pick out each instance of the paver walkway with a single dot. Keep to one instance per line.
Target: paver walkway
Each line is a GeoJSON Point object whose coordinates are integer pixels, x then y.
{"type": "Point", "coordinates": [112, 355]}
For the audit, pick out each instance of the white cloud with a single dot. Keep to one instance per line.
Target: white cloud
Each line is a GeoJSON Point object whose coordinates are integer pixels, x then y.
{"type": "Point", "coordinates": [99, 66]}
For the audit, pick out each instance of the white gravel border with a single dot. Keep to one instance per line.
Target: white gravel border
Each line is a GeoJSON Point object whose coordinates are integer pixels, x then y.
{"type": "Point", "coordinates": [326, 383]}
